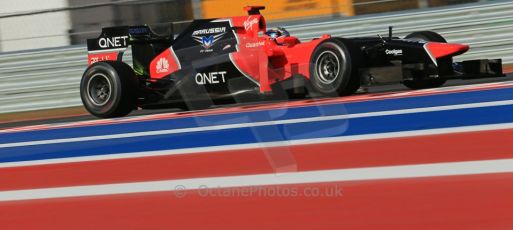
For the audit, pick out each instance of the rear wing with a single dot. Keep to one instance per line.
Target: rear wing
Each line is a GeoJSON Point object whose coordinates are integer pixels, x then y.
{"type": "Point", "coordinates": [113, 42]}
{"type": "Point", "coordinates": [109, 46]}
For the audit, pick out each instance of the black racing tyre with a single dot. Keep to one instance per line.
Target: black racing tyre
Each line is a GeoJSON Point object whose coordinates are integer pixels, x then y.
{"type": "Point", "coordinates": [109, 89]}
{"type": "Point", "coordinates": [334, 68]}
{"type": "Point", "coordinates": [444, 64]}
{"type": "Point", "coordinates": [426, 36]}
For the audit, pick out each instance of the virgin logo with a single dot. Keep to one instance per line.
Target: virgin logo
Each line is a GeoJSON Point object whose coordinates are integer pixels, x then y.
{"type": "Point", "coordinates": [248, 24]}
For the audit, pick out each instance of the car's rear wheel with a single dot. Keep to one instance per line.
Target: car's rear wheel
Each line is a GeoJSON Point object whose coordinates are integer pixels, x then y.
{"type": "Point", "coordinates": [332, 68]}
{"type": "Point", "coordinates": [444, 64]}
{"type": "Point", "coordinates": [109, 89]}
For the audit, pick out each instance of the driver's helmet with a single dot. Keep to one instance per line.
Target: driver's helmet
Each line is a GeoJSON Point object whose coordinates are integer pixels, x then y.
{"type": "Point", "coordinates": [277, 32]}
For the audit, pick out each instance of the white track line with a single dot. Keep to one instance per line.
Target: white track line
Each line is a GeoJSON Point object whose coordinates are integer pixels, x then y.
{"type": "Point", "coordinates": [214, 149]}
{"type": "Point", "coordinates": [339, 175]}
{"type": "Point", "coordinates": [257, 124]}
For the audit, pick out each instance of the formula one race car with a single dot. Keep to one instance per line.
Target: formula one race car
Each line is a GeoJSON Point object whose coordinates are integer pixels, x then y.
{"type": "Point", "coordinates": [215, 59]}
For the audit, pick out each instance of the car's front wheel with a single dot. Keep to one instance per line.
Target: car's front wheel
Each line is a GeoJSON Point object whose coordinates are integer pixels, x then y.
{"type": "Point", "coordinates": [109, 89]}
{"type": "Point", "coordinates": [332, 68]}
{"type": "Point", "coordinates": [444, 64]}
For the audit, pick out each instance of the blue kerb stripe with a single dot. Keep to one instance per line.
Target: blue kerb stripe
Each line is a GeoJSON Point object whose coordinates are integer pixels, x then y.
{"type": "Point", "coordinates": [321, 129]}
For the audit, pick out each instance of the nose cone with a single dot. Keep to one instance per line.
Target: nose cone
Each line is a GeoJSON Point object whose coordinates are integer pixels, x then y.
{"type": "Point", "coordinates": [439, 50]}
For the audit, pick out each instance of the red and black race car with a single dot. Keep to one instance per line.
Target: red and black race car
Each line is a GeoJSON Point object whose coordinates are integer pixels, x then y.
{"type": "Point", "coordinates": [231, 58]}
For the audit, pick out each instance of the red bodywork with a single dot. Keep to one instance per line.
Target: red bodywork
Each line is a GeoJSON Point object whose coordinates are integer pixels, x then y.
{"type": "Point", "coordinates": [258, 57]}
{"type": "Point", "coordinates": [440, 50]}
{"type": "Point", "coordinates": [96, 57]}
